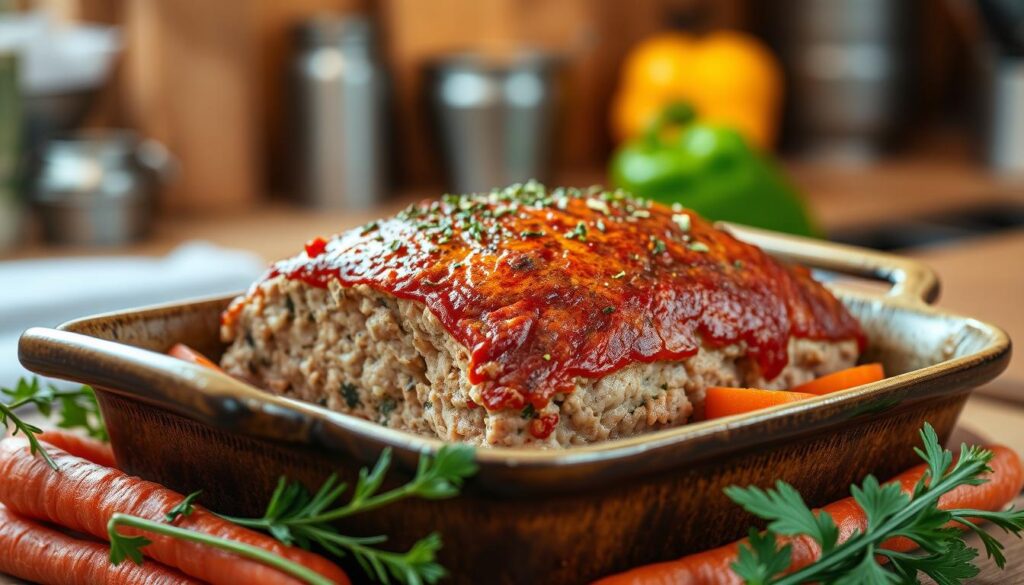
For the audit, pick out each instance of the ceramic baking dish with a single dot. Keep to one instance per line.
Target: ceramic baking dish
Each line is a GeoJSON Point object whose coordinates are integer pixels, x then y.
{"type": "Point", "coordinates": [551, 516]}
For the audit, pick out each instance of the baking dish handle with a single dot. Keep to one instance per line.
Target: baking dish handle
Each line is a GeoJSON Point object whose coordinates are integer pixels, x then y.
{"type": "Point", "coordinates": [911, 281]}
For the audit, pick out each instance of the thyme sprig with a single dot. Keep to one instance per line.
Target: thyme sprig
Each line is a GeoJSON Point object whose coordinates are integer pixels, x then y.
{"type": "Point", "coordinates": [75, 409]}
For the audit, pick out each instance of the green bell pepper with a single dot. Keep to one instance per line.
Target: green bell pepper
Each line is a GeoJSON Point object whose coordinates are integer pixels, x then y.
{"type": "Point", "coordinates": [711, 170]}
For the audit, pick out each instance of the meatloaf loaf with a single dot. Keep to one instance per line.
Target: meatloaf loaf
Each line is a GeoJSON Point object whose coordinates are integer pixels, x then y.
{"type": "Point", "coordinates": [533, 317]}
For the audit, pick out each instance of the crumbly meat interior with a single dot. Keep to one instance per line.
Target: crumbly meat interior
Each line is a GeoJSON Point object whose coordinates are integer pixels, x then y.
{"type": "Point", "coordinates": [389, 360]}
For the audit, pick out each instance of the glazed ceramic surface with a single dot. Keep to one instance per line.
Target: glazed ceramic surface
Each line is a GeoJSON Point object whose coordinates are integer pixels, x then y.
{"type": "Point", "coordinates": [544, 516]}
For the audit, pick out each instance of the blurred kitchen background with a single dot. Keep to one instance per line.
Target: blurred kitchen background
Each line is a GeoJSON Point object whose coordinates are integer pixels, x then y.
{"type": "Point", "coordinates": [151, 150]}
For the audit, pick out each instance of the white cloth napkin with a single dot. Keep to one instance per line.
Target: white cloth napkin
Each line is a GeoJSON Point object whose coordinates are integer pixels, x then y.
{"type": "Point", "coordinates": [48, 292]}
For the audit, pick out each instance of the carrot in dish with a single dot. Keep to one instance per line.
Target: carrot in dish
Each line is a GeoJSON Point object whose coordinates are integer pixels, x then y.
{"type": "Point", "coordinates": [720, 401]}
{"type": "Point", "coordinates": [31, 551]}
{"type": "Point", "coordinates": [713, 567]}
{"type": "Point", "coordinates": [98, 452]}
{"type": "Point", "coordinates": [84, 496]}
{"type": "Point", "coordinates": [186, 353]}
{"type": "Point", "coordinates": [843, 379]}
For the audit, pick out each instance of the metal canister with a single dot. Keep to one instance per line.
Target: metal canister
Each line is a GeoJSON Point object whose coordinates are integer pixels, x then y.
{"type": "Point", "coordinates": [339, 101]}
{"type": "Point", "coordinates": [849, 65]}
{"type": "Point", "coordinates": [98, 187]}
{"type": "Point", "coordinates": [495, 117]}
{"type": "Point", "coordinates": [10, 151]}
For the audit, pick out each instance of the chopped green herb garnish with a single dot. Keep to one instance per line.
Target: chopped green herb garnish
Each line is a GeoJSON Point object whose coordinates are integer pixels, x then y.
{"type": "Point", "coordinates": [698, 247]}
{"type": "Point", "coordinates": [738, 264]}
{"type": "Point", "coordinates": [528, 412]}
{"type": "Point", "coordinates": [547, 357]}
{"type": "Point", "coordinates": [657, 245]}
{"type": "Point", "coordinates": [682, 220]}
{"type": "Point", "coordinates": [598, 205]}
{"type": "Point", "coordinates": [351, 394]}
{"type": "Point", "coordinates": [619, 275]}
{"type": "Point", "coordinates": [608, 310]}
{"type": "Point", "coordinates": [579, 232]}
{"type": "Point", "coordinates": [530, 234]}
{"type": "Point", "coordinates": [387, 406]}
{"type": "Point", "coordinates": [369, 227]}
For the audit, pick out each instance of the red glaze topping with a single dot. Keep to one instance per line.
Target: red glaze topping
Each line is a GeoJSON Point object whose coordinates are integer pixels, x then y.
{"type": "Point", "coordinates": [544, 286]}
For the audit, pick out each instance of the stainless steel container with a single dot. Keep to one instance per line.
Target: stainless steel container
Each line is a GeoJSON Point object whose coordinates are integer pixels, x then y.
{"type": "Point", "coordinates": [1004, 114]}
{"type": "Point", "coordinates": [849, 72]}
{"type": "Point", "coordinates": [339, 98]}
{"type": "Point", "coordinates": [10, 151]}
{"type": "Point", "coordinates": [98, 187]}
{"type": "Point", "coordinates": [494, 117]}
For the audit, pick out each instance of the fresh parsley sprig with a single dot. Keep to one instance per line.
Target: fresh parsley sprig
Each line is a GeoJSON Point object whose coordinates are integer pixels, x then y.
{"type": "Point", "coordinates": [123, 546]}
{"type": "Point", "coordinates": [294, 516]}
{"type": "Point", "coordinates": [890, 512]}
{"type": "Point", "coordinates": [75, 409]}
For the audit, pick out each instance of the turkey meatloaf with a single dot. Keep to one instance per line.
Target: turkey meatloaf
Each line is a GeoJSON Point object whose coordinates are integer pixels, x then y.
{"type": "Point", "coordinates": [533, 317]}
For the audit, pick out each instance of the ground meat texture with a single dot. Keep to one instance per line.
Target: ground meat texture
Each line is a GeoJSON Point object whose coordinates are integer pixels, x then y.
{"type": "Point", "coordinates": [359, 351]}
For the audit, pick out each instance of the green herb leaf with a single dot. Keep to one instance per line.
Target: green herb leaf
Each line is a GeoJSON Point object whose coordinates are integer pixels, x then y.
{"type": "Point", "coordinates": [944, 556]}
{"type": "Point", "coordinates": [293, 516]}
{"type": "Point", "coordinates": [867, 572]}
{"type": "Point", "coordinates": [759, 560]}
{"type": "Point", "coordinates": [787, 512]}
{"type": "Point", "coordinates": [78, 410]}
{"type": "Point", "coordinates": [7, 417]}
{"type": "Point", "coordinates": [184, 507]}
{"type": "Point", "coordinates": [657, 245]}
{"type": "Point", "coordinates": [879, 502]}
{"type": "Point", "coordinates": [127, 547]}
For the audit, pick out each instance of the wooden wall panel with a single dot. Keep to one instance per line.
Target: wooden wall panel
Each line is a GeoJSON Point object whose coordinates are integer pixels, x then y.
{"type": "Point", "coordinates": [191, 81]}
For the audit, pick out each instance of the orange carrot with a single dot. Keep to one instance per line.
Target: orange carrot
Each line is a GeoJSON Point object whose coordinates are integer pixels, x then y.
{"type": "Point", "coordinates": [721, 401]}
{"type": "Point", "coordinates": [186, 353]}
{"type": "Point", "coordinates": [713, 567]}
{"type": "Point", "coordinates": [843, 379]}
{"type": "Point", "coordinates": [31, 551]}
{"type": "Point", "coordinates": [83, 496]}
{"type": "Point", "coordinates": [98, 452]}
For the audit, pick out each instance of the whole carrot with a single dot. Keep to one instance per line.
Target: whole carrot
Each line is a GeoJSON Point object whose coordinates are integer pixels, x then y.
{"type": "Point", "coordinates": [98, 452]}
{"type": "Point", "coordinates": [33, 552]}
{"type": "Point", "coordinates": [713, 567]}
{"type": "Point", "coordinates": [84, 496]}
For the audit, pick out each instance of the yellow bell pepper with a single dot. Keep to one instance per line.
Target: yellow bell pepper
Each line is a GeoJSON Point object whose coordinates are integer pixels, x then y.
{"type": "Point", "coordinates": [730, 79]}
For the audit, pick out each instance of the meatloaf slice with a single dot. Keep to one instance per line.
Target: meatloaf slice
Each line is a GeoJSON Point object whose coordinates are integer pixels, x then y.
{"type": "Point", "coordinates": [493, 327]}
